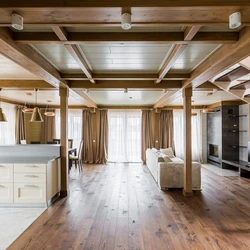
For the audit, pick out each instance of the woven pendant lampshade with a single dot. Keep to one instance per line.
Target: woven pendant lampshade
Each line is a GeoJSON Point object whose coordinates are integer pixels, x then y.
{"type": "Point", "coordinates": [36, 115]}
{"type": "Point", "coordinates": [2, 116]}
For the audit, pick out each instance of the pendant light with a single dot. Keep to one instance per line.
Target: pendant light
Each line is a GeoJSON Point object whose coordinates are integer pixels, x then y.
{"type": "Point", "coordinates": [2, 115]}
{"type": "Point", "coordinates": [47, 110]}
{"type": "Point", "coordinates": [36, 115]}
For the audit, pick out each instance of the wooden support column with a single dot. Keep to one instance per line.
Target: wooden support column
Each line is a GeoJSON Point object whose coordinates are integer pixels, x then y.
{"type": "Point", "coordinates": [64, 93]}
{"type": "Point", "coordinates": [187, 94]}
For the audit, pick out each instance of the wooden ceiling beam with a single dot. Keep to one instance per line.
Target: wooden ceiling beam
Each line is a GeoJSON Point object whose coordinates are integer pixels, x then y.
{"type": "Point", "coordinates": [62, 34]}
{"type": "Point", "coordinates": [191, 4]}
{"type": "Point", "coordinates": [222, 59]}
{"type": "Point", "coordinates": [127, 76]}
{"type": "Point", "coordinates": [135, 37]}
{"type": "Point", "coordinates": [25, 84]}
{"type": "Point", "coordinates": [234, 74]}
{"type": "Point", "coordinates": [118, 84]}
{"type": "Point", "coordinates": [189, 33]}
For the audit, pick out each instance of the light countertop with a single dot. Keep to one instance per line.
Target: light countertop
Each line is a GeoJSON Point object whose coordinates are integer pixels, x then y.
{"type": "Point", "coordinates": [27, 160]}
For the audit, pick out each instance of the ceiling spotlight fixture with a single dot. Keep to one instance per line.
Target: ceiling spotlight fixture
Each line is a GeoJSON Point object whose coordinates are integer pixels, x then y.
{"type": "Point", "coordinates": [2, 115]}
{"type": "Point", "coordinates": [235, 20]}
{"type": "Point", "coordinates": [126, 21]}
{"type": "Point", "coordinates": [17, 21]}
{"type": "Point", "coordinates": [36, 115]}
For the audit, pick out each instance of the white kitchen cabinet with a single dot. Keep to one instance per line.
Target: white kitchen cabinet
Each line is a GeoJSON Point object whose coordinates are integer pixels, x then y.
{"type": "Point", "coordinates": [6, 192]}
{"type": "Point", "coordinates": [6, 172]}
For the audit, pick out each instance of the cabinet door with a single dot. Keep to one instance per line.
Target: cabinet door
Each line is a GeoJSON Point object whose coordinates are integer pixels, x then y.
{"type": "Point", "coordinates": [30, 193]}
{"type": "Point", "coordinates": [6, 192]}
{"type": "Point", "coordinates": [30, 168]}
{"type": "Point", "coordinates": [6, 172]}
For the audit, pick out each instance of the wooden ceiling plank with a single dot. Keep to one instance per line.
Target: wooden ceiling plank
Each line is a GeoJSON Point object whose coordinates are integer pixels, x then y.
{"type": "Point", "coordinates": [136, 37]}
{"type": "Point", "coordinates": [119, 84]}
{"type": "Point", "coordinates": [127, 76]}
{"type": "Point", "coordinates": [62, 34]}
{"type": "Point", "coordinates": [25, 84]}
{"type": "Point", "coordinates": [191, 4]}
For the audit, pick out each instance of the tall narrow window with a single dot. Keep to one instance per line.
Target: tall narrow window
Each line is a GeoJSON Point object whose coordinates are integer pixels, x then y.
{"type": "Point", "coordinates": [74, 126]}
{"type": "Point", "coordinates": [7, 129]}
{"type": "Point", "coordinates": [124, 144]}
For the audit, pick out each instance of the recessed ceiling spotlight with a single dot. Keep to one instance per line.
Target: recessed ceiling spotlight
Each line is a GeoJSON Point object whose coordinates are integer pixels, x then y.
{"type": "Point", "coordinates": [17, 21]}
{"type": "Point", "coordinates": [126, 21]}
{"type": "Point", "coordinates": [235, 20]}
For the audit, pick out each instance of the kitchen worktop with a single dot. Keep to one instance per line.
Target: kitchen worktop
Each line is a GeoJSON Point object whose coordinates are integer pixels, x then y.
{"type": "Point", "coordinates": [27, 160]}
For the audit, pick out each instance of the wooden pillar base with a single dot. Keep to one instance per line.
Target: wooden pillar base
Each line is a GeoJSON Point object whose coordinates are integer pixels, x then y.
{"type": "Point", "coordinates": [187, 193]}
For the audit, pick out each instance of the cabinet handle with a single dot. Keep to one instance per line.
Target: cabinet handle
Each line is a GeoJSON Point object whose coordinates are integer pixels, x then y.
{"type": "Point", "coordinates": [1, 166]}
{"type": "Point", "coordinates": [30, 186]}
{"type": "Point", "coordinates": [30, 166]}
{"type": "Point", "coordinates": [1, 186]}
{"type": "Point", "coordinates": [30, 175]}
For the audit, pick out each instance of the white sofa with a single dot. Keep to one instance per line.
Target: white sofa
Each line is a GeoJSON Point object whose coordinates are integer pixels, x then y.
{"type": "Point", "coordinates": [171, 174]}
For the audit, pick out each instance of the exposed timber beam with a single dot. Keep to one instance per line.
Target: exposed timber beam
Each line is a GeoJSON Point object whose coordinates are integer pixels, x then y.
{"type": "Point", "coordinates": [222, 59]}
{"type": "Point", "coordinates": [135, 37]}
{"type": "Point", "coordinates": [191, 4]}
{"type": "Point", "coordinates": [234, 74]}
{"type": "Point", "coordinates": [62, 34]}
{"type": "Point", "coordinates": [31, 60]}
{"type": "Point", "coordinates": [189, 33]}
{"type": "Point", "coordinates": [127, 76]}
{"type": "Point", "coordinates": [207, 86]}
{"type": "Point", "coordinates": [25, 84]}
{"type": "Point", "coordinates": [119, 84]}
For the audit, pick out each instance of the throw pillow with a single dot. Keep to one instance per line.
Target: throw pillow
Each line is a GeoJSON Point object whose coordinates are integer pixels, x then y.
{"type": "Point", "coordinates": [167, 151]}
{"type": "Point", "coordinates": [167, 158]}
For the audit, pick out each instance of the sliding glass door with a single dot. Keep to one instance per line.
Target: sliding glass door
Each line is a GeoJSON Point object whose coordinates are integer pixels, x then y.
{"type": "Point", "coordinates": [124, 136]}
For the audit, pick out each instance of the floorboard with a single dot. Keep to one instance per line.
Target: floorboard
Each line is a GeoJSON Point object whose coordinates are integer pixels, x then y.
{"type": "Point", "coordinates": [119, 206]}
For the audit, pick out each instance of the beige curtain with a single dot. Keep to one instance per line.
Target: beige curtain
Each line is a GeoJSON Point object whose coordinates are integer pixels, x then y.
{"type": "Point", "coordinates": [146, 133]}
{"type": "Point", "coordinates": [48, 127]}
{"type": "Point", "coordinates": [102, 138]}
{"type": "Point", "coordinates": [19, 125]}
{"type": "Point", "coordinates": [87, 136]}
{"type": "Point", "coordinates": [166, 129]}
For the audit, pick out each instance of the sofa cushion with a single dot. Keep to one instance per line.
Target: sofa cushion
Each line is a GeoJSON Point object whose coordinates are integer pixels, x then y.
{"type": "Point", "coordinates": [167, 158]}
{"type": "Point", "coordinates": [176, 159]}
{"type": "Point", "coordinates": [168, 151]}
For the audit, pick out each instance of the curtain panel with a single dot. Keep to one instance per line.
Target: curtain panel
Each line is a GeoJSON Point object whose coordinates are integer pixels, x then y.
{"type": "Point", "coordinates": [87, 136]}
{"type": "Point", "coordinates": [102, 138]}
{"type": "Point", "coordinates": [167, 129]}
{"type": "Point", "coordinates": [48, 127]}
{"type": "Point", "coordinates": [19, 125]}
{"type": "Point", "coordinates": [146, 133]}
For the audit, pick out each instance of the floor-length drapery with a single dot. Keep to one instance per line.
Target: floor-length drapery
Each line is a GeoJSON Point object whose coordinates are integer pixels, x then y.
{"type": "Point", "coordinates": [87, 136]}
{"type": "Point", "coordinates": [166, 129]}
{"type": "Point", "coordinates": [124, 136]}
{"type": "Point", "coordinates": [102, 138]}
{"type": "Point", "coordinates": [19, 125]}
{"type": "Point", "coordinates": [146, 133]}
{"type": "Point", "coordinates": [48, 127]}
{"type": "Point", "coordinates": [196, 135]}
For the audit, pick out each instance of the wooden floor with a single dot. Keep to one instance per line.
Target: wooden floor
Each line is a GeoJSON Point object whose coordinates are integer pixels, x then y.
{"type": "Point", "coordinates": [121, 207]}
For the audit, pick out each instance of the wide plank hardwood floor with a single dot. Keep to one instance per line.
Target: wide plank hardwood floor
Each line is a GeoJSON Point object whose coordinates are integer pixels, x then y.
{"type": "Point", "coordinates": [119, 206]}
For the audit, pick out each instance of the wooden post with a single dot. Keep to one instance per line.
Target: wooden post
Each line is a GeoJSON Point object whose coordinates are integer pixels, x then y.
{"type": "Point", "coordinates": [64, 93]}
{"type": "Point", "coordinates": [187, 94]}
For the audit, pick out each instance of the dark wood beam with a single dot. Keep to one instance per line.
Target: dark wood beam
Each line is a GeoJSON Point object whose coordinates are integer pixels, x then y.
{"type": "Point", "coordinates": [127, 76]}
{"type": "Point", "coordinates": [25, 84]}
{"type": "Point", "coordinates": [62, 34]}
{"type": "Point", "coordinates": [140, 37]}
{"type": "Point", "coordinates": [118, 84]}
{"type": "Point", "coordinates": [191, 4]}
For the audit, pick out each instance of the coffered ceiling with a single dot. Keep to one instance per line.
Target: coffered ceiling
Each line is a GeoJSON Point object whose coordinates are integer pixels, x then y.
{"type": "Point", "coordinates": [81, 45]}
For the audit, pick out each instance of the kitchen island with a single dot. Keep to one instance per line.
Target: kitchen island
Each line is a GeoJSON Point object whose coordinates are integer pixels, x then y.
{"type": "Point", "coordinates": [29, 175]}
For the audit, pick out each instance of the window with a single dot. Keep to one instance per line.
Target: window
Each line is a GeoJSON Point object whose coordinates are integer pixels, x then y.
{"type": "Point", "coordinates": [124, 136]}
{"type": "Point", "coordinates": [7, 129]}
{"type": "Point", "coordinates": [74, 126]}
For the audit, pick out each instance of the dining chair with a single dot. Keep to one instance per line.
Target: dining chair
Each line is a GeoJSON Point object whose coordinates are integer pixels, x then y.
{"type": "Point", "coordinates": [35, 142]}
{"type": "Point", "coordinates": [51, 142]}
{"type": "Point", "coordinates": [57, 141]}
{"type": "Point", "coordinates": [23, 142]}
{"type": "Point", "coordinates": [77, 159]}
{"type": "Point", "coordinates": [70, 143]}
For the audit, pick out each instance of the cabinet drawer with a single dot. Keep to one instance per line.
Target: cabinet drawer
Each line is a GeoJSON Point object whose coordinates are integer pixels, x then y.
{"type": "Point", "coordinates": [6, 172]}
{"type": "Point", "coordinates": [30, 193]}
{"type": "Point", "coordinates": [28, 177]}
{"type": "Point", "coordinates": [6, 192]}
{"type": "Point", "coordinates": [30, 168]}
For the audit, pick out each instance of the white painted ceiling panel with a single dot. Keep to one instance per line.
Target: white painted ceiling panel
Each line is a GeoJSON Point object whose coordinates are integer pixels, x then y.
{"type": "Point", "coordinates": [121, 98]}
{"type": "Point", "coordinates": [59, 56]}
{"type": "Point", "coordinates": [125, 57]}
{"type": "Point", "coordinates": [11, 70]}
{"type": "Point", "coordinates": [192, 56]}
